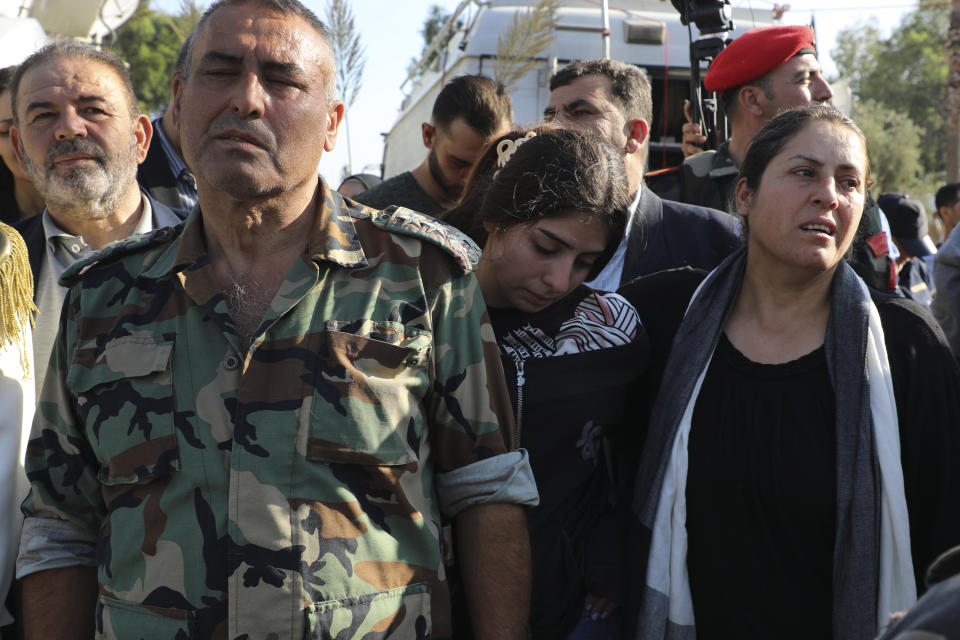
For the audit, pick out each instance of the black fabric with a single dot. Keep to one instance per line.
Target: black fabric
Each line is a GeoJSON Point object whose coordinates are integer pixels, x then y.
{"type": "Point", "coordinates": [569, 404]}
{"type": "Point", "coordinates": [926, 383]}
{"type": "Point", "coordinates": [154, 173]}
{"type": "Point", "coordinates": [14, 604]}
{"type": "Point", "coordinates": [661, 299]}
{"type": "Point", "coordinates": [670, 235]}
{"type": "Point", "coordinates": [935, 617]}
{"type": "Point", "coordinates": [31, 230]}
{"type": "Point", "coordinates": [401, 190]}
{"type": "Point", "coordinates": [760, 498]}
{"type": "Point", "coordinates": [9, 209]}
{"type": "Point", "coordinates": [916, 282]}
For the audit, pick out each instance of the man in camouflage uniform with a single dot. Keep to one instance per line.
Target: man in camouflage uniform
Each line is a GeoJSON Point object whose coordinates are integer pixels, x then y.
{"type": "Point", "coordinates": [760, 74]}
{"type": "Point", "coordinates": [255, 423]}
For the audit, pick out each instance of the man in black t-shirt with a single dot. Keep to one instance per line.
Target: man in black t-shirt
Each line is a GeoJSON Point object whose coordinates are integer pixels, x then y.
{"type": "Point", "coordinates": [469, 112]}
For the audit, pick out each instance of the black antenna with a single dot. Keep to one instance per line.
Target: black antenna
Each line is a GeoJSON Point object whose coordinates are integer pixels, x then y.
{"type": "Point", "coordinates": [714, 21]}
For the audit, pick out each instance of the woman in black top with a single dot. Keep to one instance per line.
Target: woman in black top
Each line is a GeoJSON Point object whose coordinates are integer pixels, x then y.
{"type": "Point", "coordinates": [548, 211]}
{"type": "Point", "coordinates": [798, 419]}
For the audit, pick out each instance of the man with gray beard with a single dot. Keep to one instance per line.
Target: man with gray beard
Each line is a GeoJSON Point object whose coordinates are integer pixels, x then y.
{"type": "Point", "coordinates": [79, 134]}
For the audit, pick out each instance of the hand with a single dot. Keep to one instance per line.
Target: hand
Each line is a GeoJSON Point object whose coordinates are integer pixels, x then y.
{"type": "Point", "coordinates": [599, 608]}
{"type": "Point", "coordinates": [692, 141]}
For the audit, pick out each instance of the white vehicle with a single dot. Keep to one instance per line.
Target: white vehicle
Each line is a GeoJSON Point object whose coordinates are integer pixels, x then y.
{"type": "Point", "coordinates": [26, 24]}
{"type": "Point", "coordinates": [647, 33]}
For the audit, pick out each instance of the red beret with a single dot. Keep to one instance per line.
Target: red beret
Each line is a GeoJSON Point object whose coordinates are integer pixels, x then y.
{"type": "Point", "coordinates": [756, 53]}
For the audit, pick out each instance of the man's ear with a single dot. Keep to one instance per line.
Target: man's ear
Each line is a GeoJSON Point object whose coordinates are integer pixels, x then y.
{"type": "Point", "coordinates": [176, 88]}
{"type": "Point", "coordinates": [752, 100]}
{"type": "Point", "coordinates": [177, 83]}
{"type": "Point", "coordinates": [143, 133]}
{"type": "Point", "coordinates": [744, 197]}
{"type": "Point", "coordinates": [334, 118]}
{"type": "Point", "coordinates": [429, 133]}
{"type": "Point", "coordinates": [637, 131]}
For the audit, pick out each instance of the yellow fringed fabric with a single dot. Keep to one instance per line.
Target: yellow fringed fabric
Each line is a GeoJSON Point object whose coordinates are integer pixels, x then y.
{"type": "Point", "coordinates": [16, 292]}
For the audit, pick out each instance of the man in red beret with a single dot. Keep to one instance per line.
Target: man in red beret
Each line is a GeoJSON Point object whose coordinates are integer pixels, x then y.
{"type": "Point", "coordinates": [761, 73]}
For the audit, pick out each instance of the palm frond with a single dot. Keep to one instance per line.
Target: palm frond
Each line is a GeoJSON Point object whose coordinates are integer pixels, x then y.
{"type": "Point", "coordinates": [348, 54]}
{"type": "Point", "coordinates": [531, 32]}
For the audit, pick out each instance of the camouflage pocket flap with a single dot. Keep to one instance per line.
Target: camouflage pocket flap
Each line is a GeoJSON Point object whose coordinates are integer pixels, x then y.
{"type": "Point", "coordinates": [124, 357]}
{"type": "Point", "coordinates": [120, 619]}
{"type": "Point", "coordinates": [403, 612]}
{"type": "Point", "coordinates": [393, 343]}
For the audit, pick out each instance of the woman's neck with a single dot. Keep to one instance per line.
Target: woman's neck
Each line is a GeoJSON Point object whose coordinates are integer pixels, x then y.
{"type": "Point", "coordinates": [29, 200]}
{"type": "Point", "coordinates": [779, 316]}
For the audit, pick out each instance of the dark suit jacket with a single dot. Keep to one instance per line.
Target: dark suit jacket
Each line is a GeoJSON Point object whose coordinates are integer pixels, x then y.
{"type": "Point", "coordinates": [32, 231]}
{"type": "Point", "coordinates": [154, 174]}
{"type": "Point", "coordinates": [668, 235]}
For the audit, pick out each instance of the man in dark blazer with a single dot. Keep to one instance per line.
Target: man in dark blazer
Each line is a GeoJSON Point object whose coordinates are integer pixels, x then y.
{"type": "Point", "coordinates": [164, 174]}
{"type": "Point", "coordinates": [79, 134]}
{"type": "Point", "coordinates": [613, 100]}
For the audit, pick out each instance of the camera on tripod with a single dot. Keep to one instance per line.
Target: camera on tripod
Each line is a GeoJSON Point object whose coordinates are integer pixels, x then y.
{"type": "Point", "coordinates": [714, 21]}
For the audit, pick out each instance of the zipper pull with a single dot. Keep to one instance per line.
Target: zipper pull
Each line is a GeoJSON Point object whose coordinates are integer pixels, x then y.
{"type": "Point", "coordinates": [520, 377]}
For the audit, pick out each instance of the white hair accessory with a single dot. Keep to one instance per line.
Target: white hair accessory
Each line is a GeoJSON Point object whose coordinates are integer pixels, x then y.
{"type": "Point", "coordinates": [507, 148]}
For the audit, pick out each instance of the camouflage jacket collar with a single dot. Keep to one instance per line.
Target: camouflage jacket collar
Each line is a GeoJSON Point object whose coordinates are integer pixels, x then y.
{"type": "Point", "coordinates": [334, 237]}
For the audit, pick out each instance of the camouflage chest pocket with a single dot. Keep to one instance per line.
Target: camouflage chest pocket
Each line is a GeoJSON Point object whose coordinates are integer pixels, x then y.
{"type": "Point", "coordinates": [125, 399]}
{"type": "Point", "coordinates": [396, 613]}
{"type": "Point", "coordinates": [367, 403]}
{"type": "Point", "coordinates": [117, 619]}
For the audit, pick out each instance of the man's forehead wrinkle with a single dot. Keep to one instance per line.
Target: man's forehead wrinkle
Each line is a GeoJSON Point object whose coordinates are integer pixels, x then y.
{"type": "Point", "coordinates": [74, 86]}
{"type": "Point", "coordinates": [274, 42]}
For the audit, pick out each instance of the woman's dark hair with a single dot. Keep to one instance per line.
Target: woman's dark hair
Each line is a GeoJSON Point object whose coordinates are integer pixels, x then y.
{"type": "Point", "coordinates": [6, 77]}
{"type": "Point", "coordinates": [775, 135]}
{"type": "Point", "coordinates": [556, 172]}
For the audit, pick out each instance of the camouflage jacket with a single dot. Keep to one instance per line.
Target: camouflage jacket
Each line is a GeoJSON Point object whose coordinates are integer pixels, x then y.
{"type": "Point", "coordinates": [291, 490]}
{"type": "Point", "coordinates": [706, 179]}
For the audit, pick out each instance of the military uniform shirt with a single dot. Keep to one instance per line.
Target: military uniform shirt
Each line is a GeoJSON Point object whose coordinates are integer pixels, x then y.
{"type": "Point", "coordinates": [294, 489]}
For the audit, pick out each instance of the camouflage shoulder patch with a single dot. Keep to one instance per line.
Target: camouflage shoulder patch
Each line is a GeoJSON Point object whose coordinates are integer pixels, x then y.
{"type": "Point", "coordinates": [700, 163]}
{"type": "Point", "coordinates": [115, 251]}
{"type": "Point", "coordinates": [463, 250]}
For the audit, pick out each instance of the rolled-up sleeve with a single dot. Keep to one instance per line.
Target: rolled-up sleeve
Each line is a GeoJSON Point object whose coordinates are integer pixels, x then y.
{"type": "Point", "coordinates": [49, 543]}
{"type": "Point", "coordinates": [503, 478]}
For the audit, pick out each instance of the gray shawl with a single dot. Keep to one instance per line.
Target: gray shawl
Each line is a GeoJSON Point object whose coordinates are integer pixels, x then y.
{"type": "Point", "coordinates": [872, 567]}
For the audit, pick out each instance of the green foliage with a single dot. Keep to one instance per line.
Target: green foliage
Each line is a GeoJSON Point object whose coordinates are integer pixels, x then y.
{"type": "Point", "coordinates": [433, 24]}
{"type": "Point", "coordinates": [906, 73]}
{"type": "Point", "coordinates": [436, 18]}
{"type": "Point", "coordinates": [895, 162]}
{"type": "Point", "coordinates": [149, 43]}
{"type": "Point", "coordinates": [348, 54]}
{"type": "Point", "coordinates": [529, 35]}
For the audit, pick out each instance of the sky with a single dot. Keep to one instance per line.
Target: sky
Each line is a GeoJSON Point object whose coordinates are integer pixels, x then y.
{"type": "Point", "coordinates": [390, 32]}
